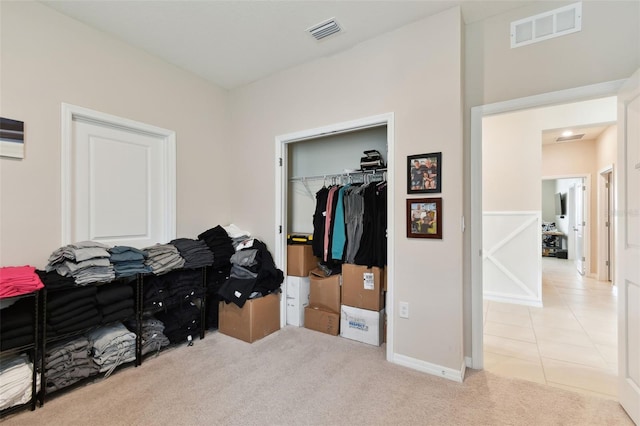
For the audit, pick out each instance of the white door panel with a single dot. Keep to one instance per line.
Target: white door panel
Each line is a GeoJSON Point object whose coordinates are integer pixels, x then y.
{"type": "Point", "coordinates": [120, 181]}
{"type": "Point", "coordinates": [627, 276]}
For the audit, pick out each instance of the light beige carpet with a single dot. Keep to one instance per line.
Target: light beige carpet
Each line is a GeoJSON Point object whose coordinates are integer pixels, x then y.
{"type": "Point", "coordinates": [301, 377]}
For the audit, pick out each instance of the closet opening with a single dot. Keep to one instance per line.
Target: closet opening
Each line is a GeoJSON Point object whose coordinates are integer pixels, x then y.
{"type": "Point", "coordinates": [340, 156]}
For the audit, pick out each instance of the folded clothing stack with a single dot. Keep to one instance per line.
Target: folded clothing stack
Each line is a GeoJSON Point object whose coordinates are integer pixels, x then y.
{"type": "Point", "coordinates": [115, 302]}
{"type": "Point", "coordinates": [163, 258]}
{"type": "Point", "coordinates": [16, 373]}
{"type": "Point", "coordinates": [17, 325]}
{"type": "Point", "coordinates": [181, 322]}
{"type": "Point", "coordinates": [173, 288]}
{"type": "Point", "coordinates": [128, 261]}
{"type": "Point", "coordinates": [112, 345]}
{"type": "Point", "coordinates": [72, 310]}
{"type": "Point", "coordinates": [152, 334]}
{"type": "Point", "coordinates": [68, 362]}
{"type": "Point", "coordinates": [18, 280]}
{"type": "Point", "coordinates": [220, 243]}
{"type": "Point", "coordinates": [52, 280]}
{"type": "Point", "coordinates": [87, 262]}
{"type": "Point", "coordinates": [196, 253]}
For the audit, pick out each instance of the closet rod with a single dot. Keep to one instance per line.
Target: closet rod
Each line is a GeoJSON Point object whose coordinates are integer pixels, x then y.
{"type": "Point", "coordinates": [343, 174]}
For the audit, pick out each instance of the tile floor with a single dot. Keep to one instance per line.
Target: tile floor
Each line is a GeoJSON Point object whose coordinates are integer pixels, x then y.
{"type": "Point", "coordinates": [570, 343]}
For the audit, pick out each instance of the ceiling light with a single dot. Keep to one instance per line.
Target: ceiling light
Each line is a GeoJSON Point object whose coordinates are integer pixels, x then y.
{"type": "Point", "coordinates": [567, 133]}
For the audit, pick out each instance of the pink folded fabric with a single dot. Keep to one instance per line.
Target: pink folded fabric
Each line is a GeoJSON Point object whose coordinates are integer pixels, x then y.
{"type": "Point", "coordinates": [18, 280]}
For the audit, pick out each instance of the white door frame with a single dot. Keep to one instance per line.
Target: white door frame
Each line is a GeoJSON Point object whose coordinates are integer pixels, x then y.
{"type": "Point", "coordinates": [281, 180]}
{"type": "Point", "coordinates": [477, 114]}
{"type": "Point", "coordinates": [606, 240]}
{"type": "Point", "coordinates": [167, 138]}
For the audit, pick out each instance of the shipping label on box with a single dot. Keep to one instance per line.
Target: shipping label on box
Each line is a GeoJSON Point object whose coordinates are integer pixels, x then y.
{"type": "Point", "coordinates": [362, 325]}
{"type": "Point", "coordinates": [362, 287]}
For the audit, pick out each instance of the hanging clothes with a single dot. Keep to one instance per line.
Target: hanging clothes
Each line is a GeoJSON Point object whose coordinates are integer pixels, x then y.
{"type": "Point", "coordinates": [339, 235]}
{"type": "Point", "coordinates": [317, 244]}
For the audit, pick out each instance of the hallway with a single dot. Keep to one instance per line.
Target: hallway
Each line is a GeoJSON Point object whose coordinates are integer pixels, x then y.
{"type": "Point", "coordinates": [570, 343]}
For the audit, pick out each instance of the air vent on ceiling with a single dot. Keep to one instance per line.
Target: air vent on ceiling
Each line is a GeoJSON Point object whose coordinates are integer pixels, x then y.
{"type": "Point", "coordinates": [570, 138]}
{"type": "Point", "coordinates": [555, 23]}
{"type": "Point", "coordinates": [324, 29]}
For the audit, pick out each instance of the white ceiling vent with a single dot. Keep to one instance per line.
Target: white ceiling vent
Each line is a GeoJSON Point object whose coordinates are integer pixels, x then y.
{"type": "Point", "coordinates": [555, 23]}
{"type": "Point", "coordinates": [570, 138]}
{"type": "Point", "coordinates": [324, 29]}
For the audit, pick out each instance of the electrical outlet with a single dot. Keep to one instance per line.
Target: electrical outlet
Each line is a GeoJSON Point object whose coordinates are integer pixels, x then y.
{"type": "Point", "coordinates": [404, 309]}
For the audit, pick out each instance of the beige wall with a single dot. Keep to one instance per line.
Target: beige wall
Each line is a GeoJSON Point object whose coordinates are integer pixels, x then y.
{"type": "Point", "coordinates": [48, 59]}
{"type": "Point", "coordinates": [606, 148]}
{"type": "Point", "coordinates": [414, 72]}
{"type": "Point", "coordinates": [495, 73]}
{"type": "Point", "coordinates": [514, 160]}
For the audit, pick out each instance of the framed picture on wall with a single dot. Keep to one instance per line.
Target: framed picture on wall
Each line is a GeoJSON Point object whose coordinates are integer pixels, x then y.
{"type": "Point", "coordinates": [424, 173]}
{"type": "Point", "coordinates": [424, 218]}
{"type": "Point", "coordinates": [11, 138]}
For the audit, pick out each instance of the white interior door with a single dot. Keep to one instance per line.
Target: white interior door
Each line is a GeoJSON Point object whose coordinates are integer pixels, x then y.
{"type": "Point", "coordinates": [627, 275]}
{"type": "Point", "coordinates": [578, 225]}
{"type": "Point", "coordinates": [120, 182]}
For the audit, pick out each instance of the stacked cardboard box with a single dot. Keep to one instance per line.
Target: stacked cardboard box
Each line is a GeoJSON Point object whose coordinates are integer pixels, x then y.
{"type": "Point", "coordinates": [297, 293]}
{"type": "Point", "coordinates": [300, 260]}
{"type": "Point", "coordinates": [323, 312]}
{"type": "Point", "coordinates": [256, 319]}
{"type": "Point", "coordinates": [362, 309]}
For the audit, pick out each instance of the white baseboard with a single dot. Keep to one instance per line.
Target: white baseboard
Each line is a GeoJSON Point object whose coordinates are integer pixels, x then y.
{"type": "Point", "coordinates": [468, 362]}
{"type": "Point", "coordinates": [517, 301]}
{"type": "Point", "coordinates": [433, 369]}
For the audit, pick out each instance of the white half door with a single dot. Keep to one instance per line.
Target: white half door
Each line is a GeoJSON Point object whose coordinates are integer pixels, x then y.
{"type": "Point", "coordinates": [627, 277]}
{"type": "Point", "coordinates": [119, 179]}
{"type": "Point", "coordinates": [578, 227]}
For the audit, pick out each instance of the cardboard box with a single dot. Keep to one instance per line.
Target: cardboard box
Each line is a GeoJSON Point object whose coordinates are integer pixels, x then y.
{"type": "Point", "coordinates": [300, 260]}
{"type": "Point", "coordinates": [320, 320]}
{"type": "Point", "coordinates": [297, 299]}
{"type": "Point", "coordinates": [324, 292]}
{"type": "Point", "coordinates": [384, 279]}
{"type": "Point", "coordinates": [256, 319]}
{"type": "Point", "coordinates": [362, 287]}
{"type": "Point", "coordinates": [362, 325]}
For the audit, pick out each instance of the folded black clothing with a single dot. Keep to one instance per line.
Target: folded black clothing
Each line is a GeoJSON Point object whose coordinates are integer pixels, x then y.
{"type": "Point", "coordinates": [195, 253]}
{"type": "Point", "coordinates": [53, 280]}
{"type": "Point", "coordinates": [19, 314]}
{"type": "Point", "coordinates": [82, 325]}
{"type": "Point", "coordinates": [114, 307]}
{"type": "Point", "coordinates": [91, 312]}
{"type": "Point", "coordinates": [113, 292]}
{"type": "Point", "coordinates": [60, 298]}
{"type": "Point", "coordinates": [16, 342]}
{"type": "Point", "coordinates": [16, 332]}
{"type": "Point", "coordinates": [65, 316]}
{"type": "Point", "coordinates": [71, 306]}
{"type": "Point", "coordinates": [120, 315]}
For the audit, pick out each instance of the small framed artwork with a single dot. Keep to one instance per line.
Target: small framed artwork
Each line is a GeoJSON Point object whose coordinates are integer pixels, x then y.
{"type": "Point", "coordinates": [11, 138]}
{"type": "Point", "coordinates": [424, 173]}
{"type": "Point", "coordinates": [424, 218]}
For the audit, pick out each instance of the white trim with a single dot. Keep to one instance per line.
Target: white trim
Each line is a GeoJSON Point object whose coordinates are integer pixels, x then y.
{"type": "Point", "coordinates": [69, 113]}
{"type": "Point", "coordinates": [281, 141]}
{"type": "Point", "coordinates": [595, 91]}
{"type": "Point", "coordinates": [497, 297]}
{"type": "Point", "coordinates": [433, 369]}
{"type": "Point", "coordinates": [602, 233]}
{"type": "Point", "coordinates": [468, 361]}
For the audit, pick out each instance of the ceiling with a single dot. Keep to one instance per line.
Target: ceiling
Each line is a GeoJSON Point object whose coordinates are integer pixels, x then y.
{"type": "Point", "coordinates": [233, 43]}
{"type": "Point", "coordinates": [590, 133]}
